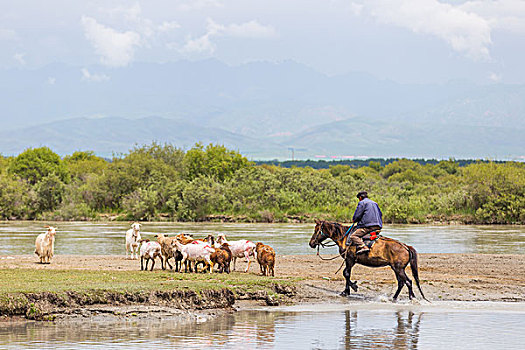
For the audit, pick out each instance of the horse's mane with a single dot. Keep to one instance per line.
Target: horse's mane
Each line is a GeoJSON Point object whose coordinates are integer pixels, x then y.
{"type": "Point", "coordinates": [338, 228]}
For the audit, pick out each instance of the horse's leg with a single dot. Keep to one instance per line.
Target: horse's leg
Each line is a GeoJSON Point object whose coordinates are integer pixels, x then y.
{"type": "Point", "coordinates": [408, 282]}
{"type": "Point", "coordinates": [346, 273]}
{"type": "Point", "coordinates": [402, 279]}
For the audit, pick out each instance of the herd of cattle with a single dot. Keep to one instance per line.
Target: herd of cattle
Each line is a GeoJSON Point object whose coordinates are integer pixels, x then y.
{"type": "Point", "coordinates": [183, 249]}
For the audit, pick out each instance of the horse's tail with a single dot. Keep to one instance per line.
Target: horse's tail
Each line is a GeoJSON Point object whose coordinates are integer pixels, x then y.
{"type": "Point", "coordinates": [413, 266]}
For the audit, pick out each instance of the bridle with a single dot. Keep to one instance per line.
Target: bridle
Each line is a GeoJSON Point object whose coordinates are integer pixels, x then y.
{"type": "Point", "coordinates": [343, 255]}
{"type": "Point", "coordinates": [321, 234]}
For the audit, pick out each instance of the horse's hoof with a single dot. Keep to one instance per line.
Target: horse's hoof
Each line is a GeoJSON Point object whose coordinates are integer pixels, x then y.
{"type": "Point", "coordinates": [354, 287]}
{"type": "Point", "coordinates": [344, 293]}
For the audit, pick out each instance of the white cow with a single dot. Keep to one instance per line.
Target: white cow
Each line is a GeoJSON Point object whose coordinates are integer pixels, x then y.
{"type": "Point", "coordinates": [133, 240]}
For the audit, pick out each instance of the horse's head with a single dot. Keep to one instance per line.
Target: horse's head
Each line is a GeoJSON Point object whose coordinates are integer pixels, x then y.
{"type": "Point", "coordinates": [320, 234]}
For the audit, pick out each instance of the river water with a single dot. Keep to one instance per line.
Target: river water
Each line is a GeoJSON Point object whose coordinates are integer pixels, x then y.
{"type": "Point", "coordinates": [445, 325]}
{"type": "Point", "coordinates": [101, 238]}
{"type": "Point", "coordinates": [349, 325]}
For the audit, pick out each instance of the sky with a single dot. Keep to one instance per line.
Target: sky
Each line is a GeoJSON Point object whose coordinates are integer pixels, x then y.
{"type": "Point", "coordinates": [420, 41]}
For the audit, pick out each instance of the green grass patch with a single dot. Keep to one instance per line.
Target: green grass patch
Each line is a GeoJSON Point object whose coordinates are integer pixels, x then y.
{"type": "Point", "coordinates": [14, 281]}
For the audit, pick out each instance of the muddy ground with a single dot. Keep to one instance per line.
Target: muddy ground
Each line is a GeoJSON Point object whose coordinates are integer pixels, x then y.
{"type": "Point", "coordinates": [464, 277]}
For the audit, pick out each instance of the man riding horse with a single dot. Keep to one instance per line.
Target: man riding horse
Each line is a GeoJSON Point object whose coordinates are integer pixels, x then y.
{"type": "Point", "coordinates": [369, 218]}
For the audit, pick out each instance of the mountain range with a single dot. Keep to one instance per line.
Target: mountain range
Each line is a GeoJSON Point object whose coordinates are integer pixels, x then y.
{"type": "Point", "coordinates": [264, 110]}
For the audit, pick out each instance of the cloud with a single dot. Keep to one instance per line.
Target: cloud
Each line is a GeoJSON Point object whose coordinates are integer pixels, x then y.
{"type": "Point", "coordinates": [507, 15]}
{"type": "Point", "coordinates": [19, 57]}
{"type": "Point", "coordinates": [116, 49]}
{"type": "Point", "coordinates": [465, 31]}
{"type": "Point", "coordinates": [193, 5]}
{"type": "Point", "coordinates": [51, 80]}
{"type": "Point", "coordinates": [251, 29]}
{"type": "Point", "coordinates": [201, 44]}
{"type": "Point", "coordinates": [494, 77]}
{"type": "Point", "coordinates": [168, 26]}
{"type": "Point", "coordinates": [7, 34]}
{"type": "Point", "coordinates": [87, 76]}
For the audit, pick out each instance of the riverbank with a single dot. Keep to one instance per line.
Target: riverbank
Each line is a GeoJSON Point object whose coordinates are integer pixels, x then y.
{"type": "Point", "coordinates": [85, 285]}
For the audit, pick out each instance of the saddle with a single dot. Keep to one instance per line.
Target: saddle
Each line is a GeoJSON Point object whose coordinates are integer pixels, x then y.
{"type": "Point", "coordinates": [369, 239]}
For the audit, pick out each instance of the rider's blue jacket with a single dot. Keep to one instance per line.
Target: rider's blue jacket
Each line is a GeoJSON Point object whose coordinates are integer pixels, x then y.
{"type": "Point", "coordinates": [368, 214]}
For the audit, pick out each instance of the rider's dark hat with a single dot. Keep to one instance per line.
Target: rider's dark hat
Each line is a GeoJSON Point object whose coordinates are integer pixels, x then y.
{"type": "Point", "coordinates": [362, 194]}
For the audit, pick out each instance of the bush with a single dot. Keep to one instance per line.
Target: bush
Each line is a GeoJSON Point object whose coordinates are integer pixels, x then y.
{"type": "Point", "coordinates": [141, 204]}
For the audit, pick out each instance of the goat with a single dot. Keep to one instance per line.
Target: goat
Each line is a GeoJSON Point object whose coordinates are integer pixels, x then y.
{"type": "Point", "coordinates": [194, 252]}
{"type": "Point", "coordinates": [149, 250]}
{"type": "Point", "coordinates": [266, 258]}
{"type": "Point", "coordinates": [132, 240]}
{"type": "Point", "coordinates": [168, 251]}
{"type": "Point", "coordinates": [222, 258]}
{"type": "Point", "coordinates": [239, 249]}
{"type": "Point", "coordinates": [211, 241]}
{"type": "Point", "coordinates": [45, 245]}
{"type": "Point", "coordinates": [184, 239]}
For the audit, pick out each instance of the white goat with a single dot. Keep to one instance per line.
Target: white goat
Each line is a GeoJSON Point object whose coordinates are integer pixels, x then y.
{"type": "Point", "coordinates": [45, 245]}
{"type": "Point", "coordinates": [132, 240]}
{"type": "Point", "coordinates": [196, 251]}
{"type": "Point", "coordinates": [239, 249]}
{"type": "Point", "coordinates": [149, 250]}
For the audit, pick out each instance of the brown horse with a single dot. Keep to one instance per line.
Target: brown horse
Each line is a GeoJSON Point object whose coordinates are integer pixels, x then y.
{"type": "Point", "coordinates": [384, 252]}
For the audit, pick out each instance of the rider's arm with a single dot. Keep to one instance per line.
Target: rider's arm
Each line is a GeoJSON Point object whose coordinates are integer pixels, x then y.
{"type": "Point", "coordinates": [359, 211]}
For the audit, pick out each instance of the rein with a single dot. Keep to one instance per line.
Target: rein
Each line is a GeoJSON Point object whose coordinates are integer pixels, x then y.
{"type": "Point", "coordinates": [343, 255]}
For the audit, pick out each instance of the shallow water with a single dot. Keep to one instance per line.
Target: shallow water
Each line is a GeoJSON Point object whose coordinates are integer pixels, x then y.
{"type": "Point", "coordinates": [109, 237]}
{"type": "Point", "coordinates": [332, 326]}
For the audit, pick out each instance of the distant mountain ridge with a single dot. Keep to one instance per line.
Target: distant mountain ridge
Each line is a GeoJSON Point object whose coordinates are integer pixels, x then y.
{"type": "Point", "coordinates": [262, 109]}
{"type": "Point", "coordinates": [113, 135]}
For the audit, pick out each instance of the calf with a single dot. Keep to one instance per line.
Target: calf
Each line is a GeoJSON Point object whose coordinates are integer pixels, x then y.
{"type": "Point", "coordinates": [45, 245]}
{"type": "Point", "coordinates": [133, 240]}
{"type": "Point", "coordinates": [266, 258]}
{"type": "Point", "coordinates": [149, 251]}
{"type": "Point", "coordinates": [239, 249]}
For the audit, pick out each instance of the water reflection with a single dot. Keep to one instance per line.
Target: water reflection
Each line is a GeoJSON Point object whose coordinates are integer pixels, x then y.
{"type": "Point", "coordinates": [404, 334]}
{"type": "Point", "coordinates": [85, 237]}
{"type": "Point", "coordinates": [263, 329]}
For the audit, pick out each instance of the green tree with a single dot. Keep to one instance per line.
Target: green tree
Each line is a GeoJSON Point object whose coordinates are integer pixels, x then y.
{"type": "Point", "coordinates": [201, 197]}
{"type": "Point", "coordinates": [167, 153]}
{"type": "Point", "coordinates": [141, 204]}
{"type": "Point", "coordinates": [15, 198]}
{"type": "Point", "coordinates": [80, 164]}
{"type": "Point", "coordinates": [214, 160]}
{"type": "Point", "coordinates": [33, 165]}
{"type": "Point", "coordinates": [50, 191]}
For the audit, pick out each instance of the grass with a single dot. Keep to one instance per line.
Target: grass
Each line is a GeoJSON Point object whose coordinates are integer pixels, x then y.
{"type": "Point", "coordinates": [14, 281]}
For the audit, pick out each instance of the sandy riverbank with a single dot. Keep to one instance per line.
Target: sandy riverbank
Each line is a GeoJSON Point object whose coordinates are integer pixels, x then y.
{"type": "Point", "coordinates": [466, 277]}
